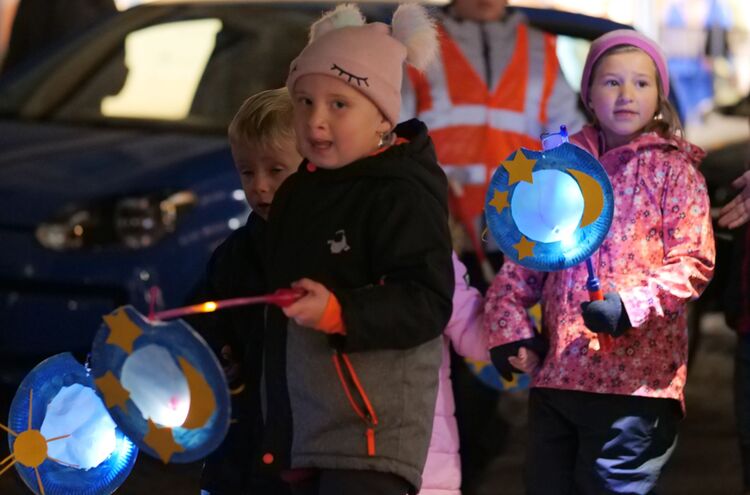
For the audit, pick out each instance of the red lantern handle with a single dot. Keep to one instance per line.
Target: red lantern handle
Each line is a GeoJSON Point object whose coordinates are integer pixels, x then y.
{"type": "Point", "coordinates": [285, 297]}
{"type": "Point", "coordinates": [281, 298]}
{"type": "Point", "coordinates": [606, 342]}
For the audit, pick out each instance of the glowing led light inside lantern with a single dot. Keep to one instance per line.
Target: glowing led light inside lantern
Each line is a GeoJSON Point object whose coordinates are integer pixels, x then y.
{"type": "Point", "coordinates": [157, 385]}
{"type": "Point", "coordinates": [568, 241]}
{"type": "Point", "coordinates": [550, 208]}
{"type": "Point", "coordinates": [209, 307]}
{"type": "Point", "coordinates": [78, 412]}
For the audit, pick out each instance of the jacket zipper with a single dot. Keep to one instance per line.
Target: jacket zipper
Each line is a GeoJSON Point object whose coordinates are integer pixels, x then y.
{"type": "Point", "coordinates": [486, 55]}
{"type": "Point", "coordinates": [360, 403]}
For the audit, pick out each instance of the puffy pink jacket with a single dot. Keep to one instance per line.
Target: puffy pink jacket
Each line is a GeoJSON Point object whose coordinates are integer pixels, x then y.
{"type": "Point", "coordinates": [442, 471]}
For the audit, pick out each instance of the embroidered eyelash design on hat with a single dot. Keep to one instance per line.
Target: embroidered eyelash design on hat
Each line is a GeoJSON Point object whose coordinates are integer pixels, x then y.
{"type": "Point", "coordinates": [343, 72]}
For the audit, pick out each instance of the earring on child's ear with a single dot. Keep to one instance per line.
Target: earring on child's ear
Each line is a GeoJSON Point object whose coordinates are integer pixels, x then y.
{"type": "Point", "coordinates": [386, 139]}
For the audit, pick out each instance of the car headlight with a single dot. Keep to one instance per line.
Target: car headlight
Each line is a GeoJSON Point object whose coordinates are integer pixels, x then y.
{"type": "Point", "coordinates": [133, 221]}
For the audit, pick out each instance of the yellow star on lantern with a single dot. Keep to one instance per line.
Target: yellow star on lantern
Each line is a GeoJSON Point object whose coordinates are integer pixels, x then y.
{"type": "Point", "coordinates": [508, 384]}
{"type": "Point", "coordinates": [122, 331]}
{"type": "Point", "coordinates": [525, 248]}
{"type": "Point", "coordinates": [499, 201]}
{"type": "Point", "coordinates": [162, 441]}
{"type": "Point", "coordinates": [519, 168]}
{"type": "Point", "coordinates": [476, 366]}
{"type": "Point", "coordinates": [113, 391]}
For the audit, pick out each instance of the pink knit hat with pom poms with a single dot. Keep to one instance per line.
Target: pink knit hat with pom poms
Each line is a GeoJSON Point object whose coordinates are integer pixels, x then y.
{"type": "Point", "coordinates": [368, 57]}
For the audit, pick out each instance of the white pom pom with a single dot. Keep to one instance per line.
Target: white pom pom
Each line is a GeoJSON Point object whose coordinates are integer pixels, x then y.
{"type": "Point", "coordinates": [414, 27]}
{"type": "Point", "coordinates": [346, 14]}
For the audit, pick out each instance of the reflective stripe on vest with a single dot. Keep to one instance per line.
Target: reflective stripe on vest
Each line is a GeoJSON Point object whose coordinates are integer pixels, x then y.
{"type": "Point", "coordinates": [475, 173]}
{"type": "Point", "coordinates": [479, 115]}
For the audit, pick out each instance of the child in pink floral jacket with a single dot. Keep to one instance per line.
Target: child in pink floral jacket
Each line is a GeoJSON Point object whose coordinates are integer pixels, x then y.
{"type": "Point", "coordinates": [604, 421]}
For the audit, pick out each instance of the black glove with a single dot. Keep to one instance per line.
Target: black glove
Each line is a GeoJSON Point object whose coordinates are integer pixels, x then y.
{"type": "Point", "coordinates": [500, 354]}
{"type": "Point", "coordinates": [606, 316]}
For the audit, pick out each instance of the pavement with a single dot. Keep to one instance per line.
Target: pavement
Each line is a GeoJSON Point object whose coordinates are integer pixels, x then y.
{"type": "Point", "coordinates": [705, 462]}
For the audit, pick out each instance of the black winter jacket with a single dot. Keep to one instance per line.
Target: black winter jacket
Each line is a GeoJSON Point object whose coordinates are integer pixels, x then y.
{"type": "Point", "coordinates": [375, 233]}
{"type": "Point", "coordinates": [237, 269]}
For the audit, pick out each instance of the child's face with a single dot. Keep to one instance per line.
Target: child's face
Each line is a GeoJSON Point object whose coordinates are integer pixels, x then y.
{"type": "Point", "coordinates": [624, 95]}
{"type": "Point", "coordinates": [335, 123]}
{"type": "Point", "coordinates": [262, 169]}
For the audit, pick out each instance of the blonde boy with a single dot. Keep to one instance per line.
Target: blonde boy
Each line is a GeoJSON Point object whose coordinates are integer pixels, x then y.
{"type": "Point", "coordinates": [261, 137]}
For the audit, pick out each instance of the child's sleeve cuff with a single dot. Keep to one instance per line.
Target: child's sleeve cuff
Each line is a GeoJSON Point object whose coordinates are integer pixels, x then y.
{"type": "Point", "coordinates": [331, 321]}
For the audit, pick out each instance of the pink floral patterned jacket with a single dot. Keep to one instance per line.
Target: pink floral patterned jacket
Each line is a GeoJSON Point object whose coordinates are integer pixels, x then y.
{"type": "Point", "coordinates": [658, 255]}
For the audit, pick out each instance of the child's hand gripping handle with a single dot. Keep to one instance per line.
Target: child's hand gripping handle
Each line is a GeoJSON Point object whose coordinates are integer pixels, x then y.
{"type": "Point", "coordinates": [606, 342]}
{"type": "Point", "coordinates": [285, 297]}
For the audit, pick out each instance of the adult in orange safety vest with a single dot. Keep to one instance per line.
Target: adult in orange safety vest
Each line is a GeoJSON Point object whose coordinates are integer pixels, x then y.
{"type": "Point", "coordinates": [495, 86]}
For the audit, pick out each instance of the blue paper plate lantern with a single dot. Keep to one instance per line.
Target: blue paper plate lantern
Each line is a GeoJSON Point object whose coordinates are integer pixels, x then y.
{"type": "Point", "coordinates": [549, 210]}
{"type": "Point", "coordinates": [162, 385]}
{"type": "Point", "coordinates": [62, 436]}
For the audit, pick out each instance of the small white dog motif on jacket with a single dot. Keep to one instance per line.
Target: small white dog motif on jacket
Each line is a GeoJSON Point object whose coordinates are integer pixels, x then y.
{"type": "Point", "coordinates": [338, 244]}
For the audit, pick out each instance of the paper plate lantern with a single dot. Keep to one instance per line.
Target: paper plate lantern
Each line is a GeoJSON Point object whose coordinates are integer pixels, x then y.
{"type": "Point", "coordinates": [162, 385]}
{"type": "Point", "coordinates": [549, 210]}
{"type": "Point", "coordinates": [62, 436]}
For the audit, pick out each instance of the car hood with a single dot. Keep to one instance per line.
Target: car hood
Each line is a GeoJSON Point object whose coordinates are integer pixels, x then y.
{"type": "Point", "coordinates": [44, 168]}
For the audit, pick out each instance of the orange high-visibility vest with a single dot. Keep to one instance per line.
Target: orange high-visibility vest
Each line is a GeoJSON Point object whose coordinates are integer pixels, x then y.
{"type": "Point", "coordinates": [474, 129]}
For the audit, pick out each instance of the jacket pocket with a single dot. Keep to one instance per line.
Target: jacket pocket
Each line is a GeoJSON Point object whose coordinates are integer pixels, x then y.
{"type": "Point", "coordinates": [357, 397]}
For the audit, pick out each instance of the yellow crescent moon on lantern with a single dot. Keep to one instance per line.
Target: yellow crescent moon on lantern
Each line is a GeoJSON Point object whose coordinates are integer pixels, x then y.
{"type": "Point", "coordinates": [202, 400]}
{"type": "Point", "coordinates": [593, 196]}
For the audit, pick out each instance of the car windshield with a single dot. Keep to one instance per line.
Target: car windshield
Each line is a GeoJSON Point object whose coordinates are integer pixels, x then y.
{"type": "Point", "coordinates": [194, 71]}
{"type": "Point", "coordinates": [176, 66]}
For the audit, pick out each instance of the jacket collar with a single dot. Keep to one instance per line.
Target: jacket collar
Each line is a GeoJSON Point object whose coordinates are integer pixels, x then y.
{"type": "Point", "coordinates": [592, 139]}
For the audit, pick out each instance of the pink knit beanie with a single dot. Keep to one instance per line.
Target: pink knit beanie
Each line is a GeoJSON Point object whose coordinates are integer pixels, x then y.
{"type": "Point", "coordinates": [623, 37]}
{"type": "Point", "coordinates": [368, 57]}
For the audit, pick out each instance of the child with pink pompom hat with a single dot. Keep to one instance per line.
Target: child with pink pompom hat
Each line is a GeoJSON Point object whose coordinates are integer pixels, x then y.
{"type": "Point", "coordinates": [362, 229]}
